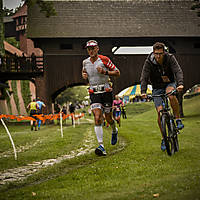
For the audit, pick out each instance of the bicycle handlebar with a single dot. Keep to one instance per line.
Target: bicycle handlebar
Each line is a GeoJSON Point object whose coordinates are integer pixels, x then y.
{"type": "Point", "coordinates": [173, 92]}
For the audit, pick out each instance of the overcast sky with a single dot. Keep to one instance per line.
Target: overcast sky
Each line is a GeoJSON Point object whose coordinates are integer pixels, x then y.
{"type": "Point", "coordinates": [11, 4]}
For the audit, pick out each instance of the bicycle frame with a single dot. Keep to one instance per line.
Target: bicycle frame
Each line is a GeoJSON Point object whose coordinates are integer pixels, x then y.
{"type": "Point", "coordinates": [169, 130]}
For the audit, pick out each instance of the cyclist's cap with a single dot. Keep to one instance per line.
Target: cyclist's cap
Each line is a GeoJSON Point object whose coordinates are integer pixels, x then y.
{"type": "Point", "coordinates": [91, 43]}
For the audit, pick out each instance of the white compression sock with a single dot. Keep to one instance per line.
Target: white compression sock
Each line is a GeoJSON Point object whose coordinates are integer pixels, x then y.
{"type": "Point", "coordinates": [99, 133]}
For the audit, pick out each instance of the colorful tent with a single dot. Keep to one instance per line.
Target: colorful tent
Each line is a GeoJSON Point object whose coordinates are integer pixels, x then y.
{"type": "Point", "coordinates": [133, 91]}
{"type": "Point", "coordinates": [121, 94]}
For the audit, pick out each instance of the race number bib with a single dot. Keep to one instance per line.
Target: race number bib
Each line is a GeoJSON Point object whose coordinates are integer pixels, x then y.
{"type": "Point", "coordinates": [117, 109]}
{"type": "Point", "coordinates": [95, 106]}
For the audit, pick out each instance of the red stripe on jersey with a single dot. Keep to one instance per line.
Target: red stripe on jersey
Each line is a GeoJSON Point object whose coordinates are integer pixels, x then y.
{"type": "Point", "coordinates": [107, 62]}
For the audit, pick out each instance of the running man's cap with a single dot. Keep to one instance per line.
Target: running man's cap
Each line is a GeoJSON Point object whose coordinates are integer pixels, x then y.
{"type": "Point", "coordinates": [91, 43]}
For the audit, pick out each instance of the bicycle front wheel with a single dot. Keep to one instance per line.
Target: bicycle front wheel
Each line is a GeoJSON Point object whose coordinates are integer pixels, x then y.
{"type": "Point", "coordinates": [167, 133]}
{"type": "Point", "coordinates": [174, 135]}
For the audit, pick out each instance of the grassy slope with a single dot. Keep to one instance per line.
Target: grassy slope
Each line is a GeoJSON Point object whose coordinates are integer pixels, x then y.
{"type": "Point", "coordinates": [137, 172]}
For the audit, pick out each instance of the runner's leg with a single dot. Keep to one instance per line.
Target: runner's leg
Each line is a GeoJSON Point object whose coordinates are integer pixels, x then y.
{"type": "Point", "coordinates": [98, 125]}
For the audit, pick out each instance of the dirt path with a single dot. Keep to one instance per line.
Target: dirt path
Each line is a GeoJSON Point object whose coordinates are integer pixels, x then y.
{"type": "Point", "coordinates": [23, 172]}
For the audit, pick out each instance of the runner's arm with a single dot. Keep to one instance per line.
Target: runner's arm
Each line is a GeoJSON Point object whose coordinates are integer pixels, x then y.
{"type": "Point", "coordinates": [28, 106]}
{"type": "Point", "coordinates": [107, 72]}
{"type": "Point", "coordinates": [43, 105]}
{"type": "Point", "coordinates": [84, 73]}
{"type": "Point", "coordinates": [112, 70]}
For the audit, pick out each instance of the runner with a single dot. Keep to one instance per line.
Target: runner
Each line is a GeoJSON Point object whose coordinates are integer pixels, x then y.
{"type": "Point", "coordinates": [39, 111]}
{"type": "Point", "coordinates": [33, 106]}
{"type": "Point", "coordinates": [124, 111]}
{"type": "Point", "coordinates": [72, 109]}
{"type": "Point", "coordinates": [117, 103]}
{"type": "Point", "coordinates": [97, 69]}
{"type": "Point", "coordinates": [64, 112]}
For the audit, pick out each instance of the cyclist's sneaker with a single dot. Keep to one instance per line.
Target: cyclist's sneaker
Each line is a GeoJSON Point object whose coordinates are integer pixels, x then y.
{"type": "Point", "coordinates": [163, 147]}
{"type": "Point", "coordinates": [114, 137]}
{"type": "Point", "coordinates": [100, 151]}
{"type": "Point", "coordinates": [179, 124]}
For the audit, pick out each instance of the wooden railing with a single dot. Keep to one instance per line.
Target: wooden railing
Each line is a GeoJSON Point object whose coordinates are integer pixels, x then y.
{"type": "Point", "coordinates": [13, 64]}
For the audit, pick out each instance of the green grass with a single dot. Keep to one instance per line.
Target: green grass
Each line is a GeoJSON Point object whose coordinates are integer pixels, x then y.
{"type": "Point", "coordinates": [137, 171]}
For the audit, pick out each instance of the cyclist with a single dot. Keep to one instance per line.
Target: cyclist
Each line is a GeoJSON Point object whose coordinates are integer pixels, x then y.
{"type": "Point", "coordinates": [165, 75]}
{"type": "Point", "coordinates": [97, 69]}
{"type": "Point", "coordinates": [117, 103]}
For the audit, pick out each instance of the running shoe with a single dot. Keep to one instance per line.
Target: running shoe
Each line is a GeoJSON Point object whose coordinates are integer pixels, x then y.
{"type": "Point", "coordinates": [114, 137]}
{"type": "Point", "coordinates": [163, 147]}
{"type": "Point", "coordinates": [100, 151]}
{"type": "Point", "coordinates": [179, 124]}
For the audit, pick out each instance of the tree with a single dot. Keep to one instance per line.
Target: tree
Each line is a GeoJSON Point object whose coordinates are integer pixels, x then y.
{"type": "Point", "coordinates": [45, 7]}
{"type": "Point", "coordinates": [73, 94]}
{"type": "Point", "coordinates": [8, 12]}
{"type": "Point", "coordinates": [1, 29]}
{"type": "Point", "coordinates": [196, 6]}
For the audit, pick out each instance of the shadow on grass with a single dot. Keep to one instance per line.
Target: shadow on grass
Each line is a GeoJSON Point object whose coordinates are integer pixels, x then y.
{"type": "Point", "coordinates": [196, 115]}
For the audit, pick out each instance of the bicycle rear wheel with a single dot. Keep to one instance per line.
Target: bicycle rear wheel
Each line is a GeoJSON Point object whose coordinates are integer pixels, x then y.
{"type": "Point", "coordinates": [167, 133]}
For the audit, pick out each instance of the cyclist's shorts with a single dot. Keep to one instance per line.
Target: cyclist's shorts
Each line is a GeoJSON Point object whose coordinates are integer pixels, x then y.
{"type": "Point", "coordinates": [158, 100]}
{"type": "Point", "coordinates": [102, 100]}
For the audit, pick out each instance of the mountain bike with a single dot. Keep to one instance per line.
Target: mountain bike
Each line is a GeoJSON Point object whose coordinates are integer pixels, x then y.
{"type": "Point", "coordinates": [169, 130]}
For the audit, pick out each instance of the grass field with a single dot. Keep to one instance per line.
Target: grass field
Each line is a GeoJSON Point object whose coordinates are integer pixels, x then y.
{"type": "Point", "coordinates": [133, 169]}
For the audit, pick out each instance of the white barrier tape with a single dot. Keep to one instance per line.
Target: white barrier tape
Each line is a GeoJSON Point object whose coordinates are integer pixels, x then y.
{"type": "Point", "coordinates": [13, 145]}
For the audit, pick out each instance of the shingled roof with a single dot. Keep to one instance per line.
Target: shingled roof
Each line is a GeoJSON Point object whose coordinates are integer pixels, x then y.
{"type": "Point", "coordinates": [115, 18]}
{"type": "Point", "coordinates": [21, 12]}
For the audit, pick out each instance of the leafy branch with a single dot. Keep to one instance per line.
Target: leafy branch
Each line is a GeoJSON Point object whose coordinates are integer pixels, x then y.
{"type": "Point", "coordinates": [45, 7]}
{"type": "Point", "coordinates": [196, 6]}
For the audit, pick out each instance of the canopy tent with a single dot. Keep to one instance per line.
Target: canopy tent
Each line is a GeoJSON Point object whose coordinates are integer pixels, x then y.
{"type": "Point", "coordinates": [132, 91]}
{"type": "Point", "coordinates": [121, 94]}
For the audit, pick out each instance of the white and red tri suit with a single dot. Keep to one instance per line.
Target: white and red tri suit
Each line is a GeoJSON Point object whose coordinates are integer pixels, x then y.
{"type": "Point", "coordinates": [94, 77]}
{"type": "Point", "coordinates": [97, 80]}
